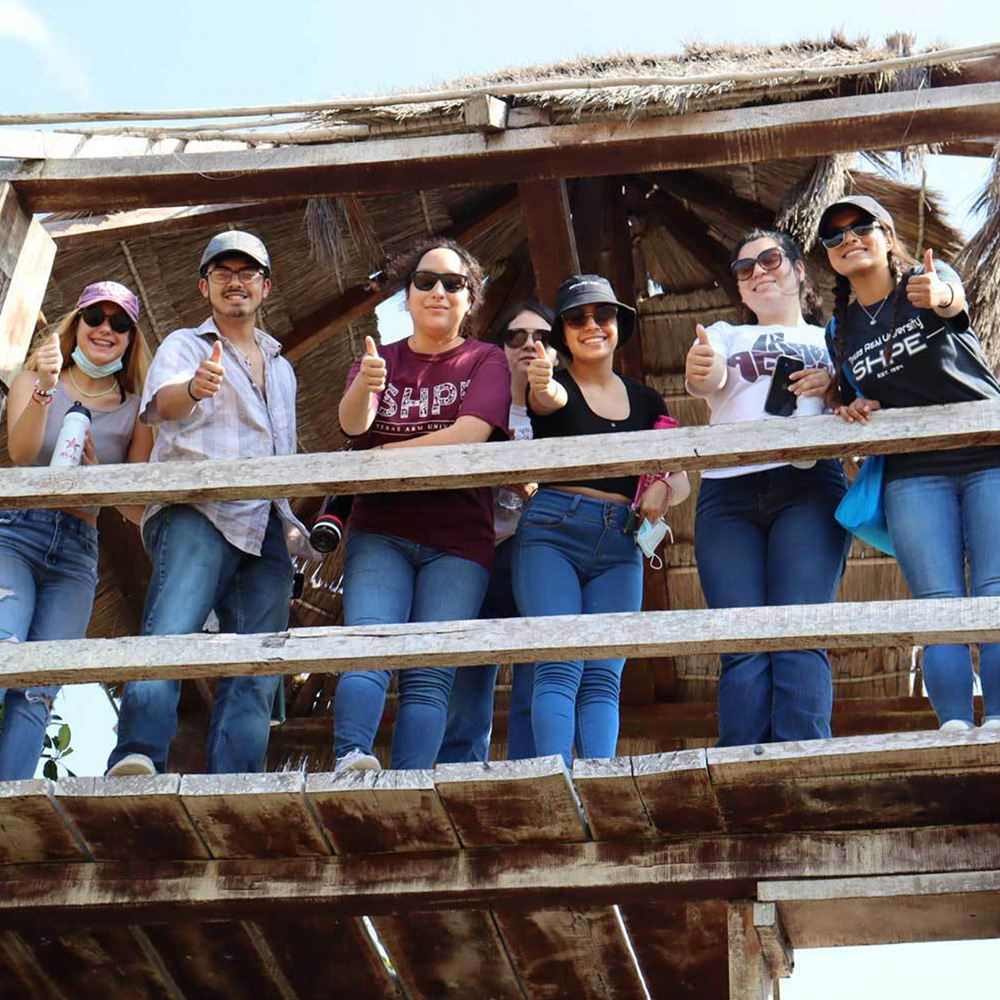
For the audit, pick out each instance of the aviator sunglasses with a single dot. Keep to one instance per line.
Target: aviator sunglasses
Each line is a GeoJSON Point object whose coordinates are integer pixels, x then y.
{"type": "Point", "coordinates": [93, 316]}
{"type": "Point", "coordinates": [769, 260]}
{"type": "Point", "coordinates": [577, 318]}
{"type": "Point", "coordinates": [424, 281]}
{"type": "Point", "coordinates": [517, 336]}
{"type": "Point", "coordinates": [860, 229]}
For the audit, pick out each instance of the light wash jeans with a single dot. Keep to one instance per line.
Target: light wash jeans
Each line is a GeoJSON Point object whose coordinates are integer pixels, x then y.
{"type": "Point", "coordinates": [765, 539]}
{"type": "Point", "coordinates": [936, 522]}
{"type": "Point", "coordinates": [48, 574]}
{"type": "Point", "coordinates": [389, 580]}
{"type": "Point", "coordinates": [572, 556]}
{"type": "Point", "coordinates": [195, 570]}
{"type": "Point", "coordinates": [470, 710]}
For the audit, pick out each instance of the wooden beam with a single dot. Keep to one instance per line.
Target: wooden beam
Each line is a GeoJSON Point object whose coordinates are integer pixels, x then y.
{"type": "Point", "coordinates": [826, 913]}
{"type": "Point", "coordinates": [741, 135]}
{"type": "Point", "coordinates": [545, 207]}
{"type": "Point", "coordinates": [773, 940]}
{"type": "Point", "coordinates": [528, 876]}
{"type": "Point", "coordinates": [26, 255]}
{"type": "Point", "coordinates": [589, 224]}
{"type": "Point", "coordinates": [622, 272]}
{"type": "Point", "coordinates": [984, 148]}
{"type": "Point", "coordinates": [954, 425]}
{"type": "Point", "coordinates": [515, 640]}
{"type": "Point", "coordinates": [330, 319]}
{"type": "Point", "coordinates": [749, 975]}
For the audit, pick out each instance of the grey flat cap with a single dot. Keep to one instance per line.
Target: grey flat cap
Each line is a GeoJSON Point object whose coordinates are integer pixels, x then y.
{"type": "Point", "coordinates": [235, 241]}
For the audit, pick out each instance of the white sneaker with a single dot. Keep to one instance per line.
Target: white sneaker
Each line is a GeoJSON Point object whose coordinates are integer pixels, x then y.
{"type": "Point", "coordinates": [956, 726]}
{"type": "Point", "coordinates": [131, 765]}
{"type": "Point", "coordinates": [992, 724]}
{"type": "Point", "coordinates": [356, 760]}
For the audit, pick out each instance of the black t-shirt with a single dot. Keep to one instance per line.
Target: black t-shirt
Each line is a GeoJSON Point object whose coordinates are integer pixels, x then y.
{"type": "Point", "coordinates": [576, 417]}
{"type": "Point", "coordinates": [924, 361]}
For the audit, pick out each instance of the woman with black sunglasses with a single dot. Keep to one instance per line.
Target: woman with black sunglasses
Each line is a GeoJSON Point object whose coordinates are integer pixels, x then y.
{"type": "Point", "coordinates": [902, 336]}
{"type": "Point", "coordinates": [766, 535]}
{"type": "Point", "coordinates": [95, 356]}
{"type": "Point", "coordinates": [426, 556]}
{"type": "Point", "coordinates": [470, 712]}
{"type": "Point", "coordinates": [575, 552]}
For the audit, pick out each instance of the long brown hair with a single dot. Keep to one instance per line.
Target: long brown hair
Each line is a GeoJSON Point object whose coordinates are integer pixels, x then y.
{"type": "Point", "coordinates": [810, 301]}
{"type": "Point", "coordinates": [135, 360]}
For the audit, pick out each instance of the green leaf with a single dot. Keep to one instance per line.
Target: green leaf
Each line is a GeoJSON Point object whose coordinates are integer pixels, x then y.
{"type": "Point", "coordinates": [50, 770]}
{"type": "Point", "coordinates": [48, 743]}
{"type": "Point", "coordinates": [66, 752]}
{"type": "Point", "coordinates": [63, 737]}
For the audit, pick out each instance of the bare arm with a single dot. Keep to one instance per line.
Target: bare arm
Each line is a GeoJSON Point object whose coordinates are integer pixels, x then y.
{"type": "Point", "coordinates": [545, 394]}
{"type": "Point", "coordinates": [139, 450]}
{"type": "Point", "coordinates": [704, 368]}
{"type": "Point", "coordinates": [356, 410]}
{"type": "Point", "coordinates": [26, 419]}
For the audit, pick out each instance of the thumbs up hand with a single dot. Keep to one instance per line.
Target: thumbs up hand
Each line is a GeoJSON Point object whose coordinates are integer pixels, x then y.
{"type": "Point", "coordinates": [48, 362]}
{"type": "Point", "coordinates": [208, 378]}
{"type": "Point", "coordinates": [540, 372]}
{"type": "Point", "coordinates": [927, 290]}
{"type": "Point", "coordinates": [373, 370]}
{"type": "Point", "coordinates": [699, 361]}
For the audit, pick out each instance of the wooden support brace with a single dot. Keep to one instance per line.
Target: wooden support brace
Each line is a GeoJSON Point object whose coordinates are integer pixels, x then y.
{"type": "Point", "coordinates": [778, 952]}
{"type": "Point", "coordinates": [749, 975]}
{"type": "Point", "coordinates": [545, 207]}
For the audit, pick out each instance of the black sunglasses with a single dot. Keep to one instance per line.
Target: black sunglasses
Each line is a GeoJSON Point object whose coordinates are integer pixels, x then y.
{"type": "Point", "coordinates": [424, 281]}
{"type": "Point", "coordinates": [517, 336]}
{"type": "Point", "coordinates": [577, 318]}
{"type": "Point", "coordinates": [769, 260]}
{"type": "Point", "coordinates": [94, 316]}
{"type": "Point", "coordinates": [860, 229]}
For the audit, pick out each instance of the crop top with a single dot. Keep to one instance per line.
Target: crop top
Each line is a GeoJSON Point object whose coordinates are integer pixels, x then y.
{"type": "Point", "coordinates": [576, 417]}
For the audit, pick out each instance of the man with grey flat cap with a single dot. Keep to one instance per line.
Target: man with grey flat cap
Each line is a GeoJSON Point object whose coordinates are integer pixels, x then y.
{"type": "Point", "coordinates": [219, 391]}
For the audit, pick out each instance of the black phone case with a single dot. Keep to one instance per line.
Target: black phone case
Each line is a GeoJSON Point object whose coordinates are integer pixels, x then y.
{"type": "Point", "coordinates": [780, 400]}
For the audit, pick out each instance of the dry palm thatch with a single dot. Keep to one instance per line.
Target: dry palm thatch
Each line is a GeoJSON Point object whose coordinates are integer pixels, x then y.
{"type": "Point", "coordinates": [804, 206]}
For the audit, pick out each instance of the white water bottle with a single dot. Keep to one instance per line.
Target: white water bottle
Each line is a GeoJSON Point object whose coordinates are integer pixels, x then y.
{"type": "Point", "coordinates": [807, 406]}
{"type": "Point", "coordinates": [72, 436]}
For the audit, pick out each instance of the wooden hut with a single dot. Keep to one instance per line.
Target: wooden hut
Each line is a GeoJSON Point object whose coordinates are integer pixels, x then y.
{"type": "Point", "coordinates": [645, 169]}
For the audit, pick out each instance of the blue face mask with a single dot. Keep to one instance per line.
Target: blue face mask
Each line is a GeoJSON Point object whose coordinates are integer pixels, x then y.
{"type": "Point", "coordinates": [648, 538]}
{"type": "Point", "coordinates": [95, 371]}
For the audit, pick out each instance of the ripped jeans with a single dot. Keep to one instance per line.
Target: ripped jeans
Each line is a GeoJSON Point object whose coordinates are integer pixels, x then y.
{"type": "Point", "coordinates": [48, 573]}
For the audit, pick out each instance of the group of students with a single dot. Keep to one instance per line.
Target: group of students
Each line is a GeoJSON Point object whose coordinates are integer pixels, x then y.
{"type": "Point", "coordinates": [764, 535]}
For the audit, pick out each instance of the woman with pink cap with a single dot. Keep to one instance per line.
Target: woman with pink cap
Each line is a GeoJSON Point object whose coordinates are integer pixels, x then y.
{"type": "Point", "coordinates": [94, 356]}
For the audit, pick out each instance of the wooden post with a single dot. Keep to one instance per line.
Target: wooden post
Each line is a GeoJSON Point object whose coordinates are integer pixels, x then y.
{"type": "Point", "coordinates": [545, 207]}
{"type": "Point", "coordinates": [749, 975]}
{"type": "Point", "coordinates": [26, 255]}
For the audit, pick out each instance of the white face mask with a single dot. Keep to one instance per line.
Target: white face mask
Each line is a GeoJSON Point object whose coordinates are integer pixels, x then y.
{"type": "Point", "coordinates": [648, 538]}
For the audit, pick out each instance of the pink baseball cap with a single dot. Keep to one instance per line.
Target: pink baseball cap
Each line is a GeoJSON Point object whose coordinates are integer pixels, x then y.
{"type": "Point", "coordinates": [110, 291]}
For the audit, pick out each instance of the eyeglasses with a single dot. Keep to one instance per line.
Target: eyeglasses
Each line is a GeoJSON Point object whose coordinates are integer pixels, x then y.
{"type": "Point", "coordinates": [577, 318]}
{"type": "Point", "coordinates": [860, 229]}
{"type": "Point", "coordinates": [94, 316]}
{"type": "Point", "coordinates": [223, 275]}
{"type": "Point", "coordinates": [424, 281]}
{"type": "Point", "coordinates": [769, 260]}
{"type": "Point", "coordinates": [517, 336]}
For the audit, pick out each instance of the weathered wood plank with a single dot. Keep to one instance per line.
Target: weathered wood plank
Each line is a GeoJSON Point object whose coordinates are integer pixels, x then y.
{"type": "Point", "coordinates": [515, 640]}
{"type": "Point", "coordinates": [749, 976]}
{"type": "Point", "coordinates": [22, 977]}
{"type": "Point", "coordinates": [611, 801]}
{"type": "Point", "coordinates": [253, 815]}
{"type": "Point", "coordinates": [551, 241]}
{"type": "Point", "coordinates": [677, 793]}
{"type": "Point", "coordinates": [770, 132]}
{"type": "Point", "coordinates": [131, 818]}
{"type": "Point", "coordinates": [824, 913]}
{"type": "Point", "coordinates": [24, 272]}
{"type": "Point", "coordinates": [955, 425]}
{"type": "Point", "coordinates": [33, 827]}
{"type": "Point", "coordinates": [774, 941]}
{"type": "Point", "coordinates": [528, 876]}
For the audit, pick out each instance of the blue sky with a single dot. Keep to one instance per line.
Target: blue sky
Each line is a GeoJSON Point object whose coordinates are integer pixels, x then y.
{"type": "Point", "coordinates": [104, 54]}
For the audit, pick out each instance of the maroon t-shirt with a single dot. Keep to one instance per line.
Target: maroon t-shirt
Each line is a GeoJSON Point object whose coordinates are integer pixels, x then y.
{"type": "Point", "coordinates": [425, 393]}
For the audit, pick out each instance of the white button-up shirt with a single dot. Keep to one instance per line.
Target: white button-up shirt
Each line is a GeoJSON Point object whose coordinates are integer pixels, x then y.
{"type": "Point", "coordinates": [240, 421]}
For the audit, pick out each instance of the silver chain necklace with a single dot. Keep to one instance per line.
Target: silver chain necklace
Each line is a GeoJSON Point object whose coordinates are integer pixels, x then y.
{"type": "Point", "coordinates": [873, 316]}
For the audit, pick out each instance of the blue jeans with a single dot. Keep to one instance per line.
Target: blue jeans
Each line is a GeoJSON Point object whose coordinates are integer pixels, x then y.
{"type": "Point", "coordinates": [48, 573]}
{"type": "Point", "coordinates": [935, 523]}
{"type": "Point", "coordinates": [390, 580]}
{"type": "Point", "coordinates": [572, 556]}
{"type": "Point", "coordinates": [761, 540]}
{"type": "Point", "coordinates": [195, 570]}
{"type": "Point", "coordinates": [470, 710]}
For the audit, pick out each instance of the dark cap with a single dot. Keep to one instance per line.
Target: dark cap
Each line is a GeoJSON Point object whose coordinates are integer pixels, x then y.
{"type": "Point", "coordinates": [235, 241]}
{"type": "Point", "coordinates": [866, 204]}
{"type": "Point", "coordinates": [590, 289]}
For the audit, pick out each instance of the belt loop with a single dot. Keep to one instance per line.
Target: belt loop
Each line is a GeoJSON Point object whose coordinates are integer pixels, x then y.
{"type": "Point", "coordinates": [574, 503]}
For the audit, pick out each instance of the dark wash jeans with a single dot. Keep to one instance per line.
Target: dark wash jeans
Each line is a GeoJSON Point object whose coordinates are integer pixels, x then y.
{"type": "Point", "coordinates": [761, 540]}
{"type": "Point", "coordinates": [195, 570]}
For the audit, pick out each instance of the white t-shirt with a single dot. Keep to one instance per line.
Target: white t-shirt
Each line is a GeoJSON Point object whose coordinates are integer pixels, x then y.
{"type": "Point", "coordinates": [750, 353]}
{"type": "Point", "coordinates": [504, 519]}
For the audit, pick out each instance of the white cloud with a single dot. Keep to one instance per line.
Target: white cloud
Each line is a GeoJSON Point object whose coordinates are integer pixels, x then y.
{"type": "Point", "coordinates": [19, 23]}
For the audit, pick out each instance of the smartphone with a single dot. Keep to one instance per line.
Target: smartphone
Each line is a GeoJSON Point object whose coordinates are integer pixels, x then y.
{"type": "Point", "coordinates": [780, 400]}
